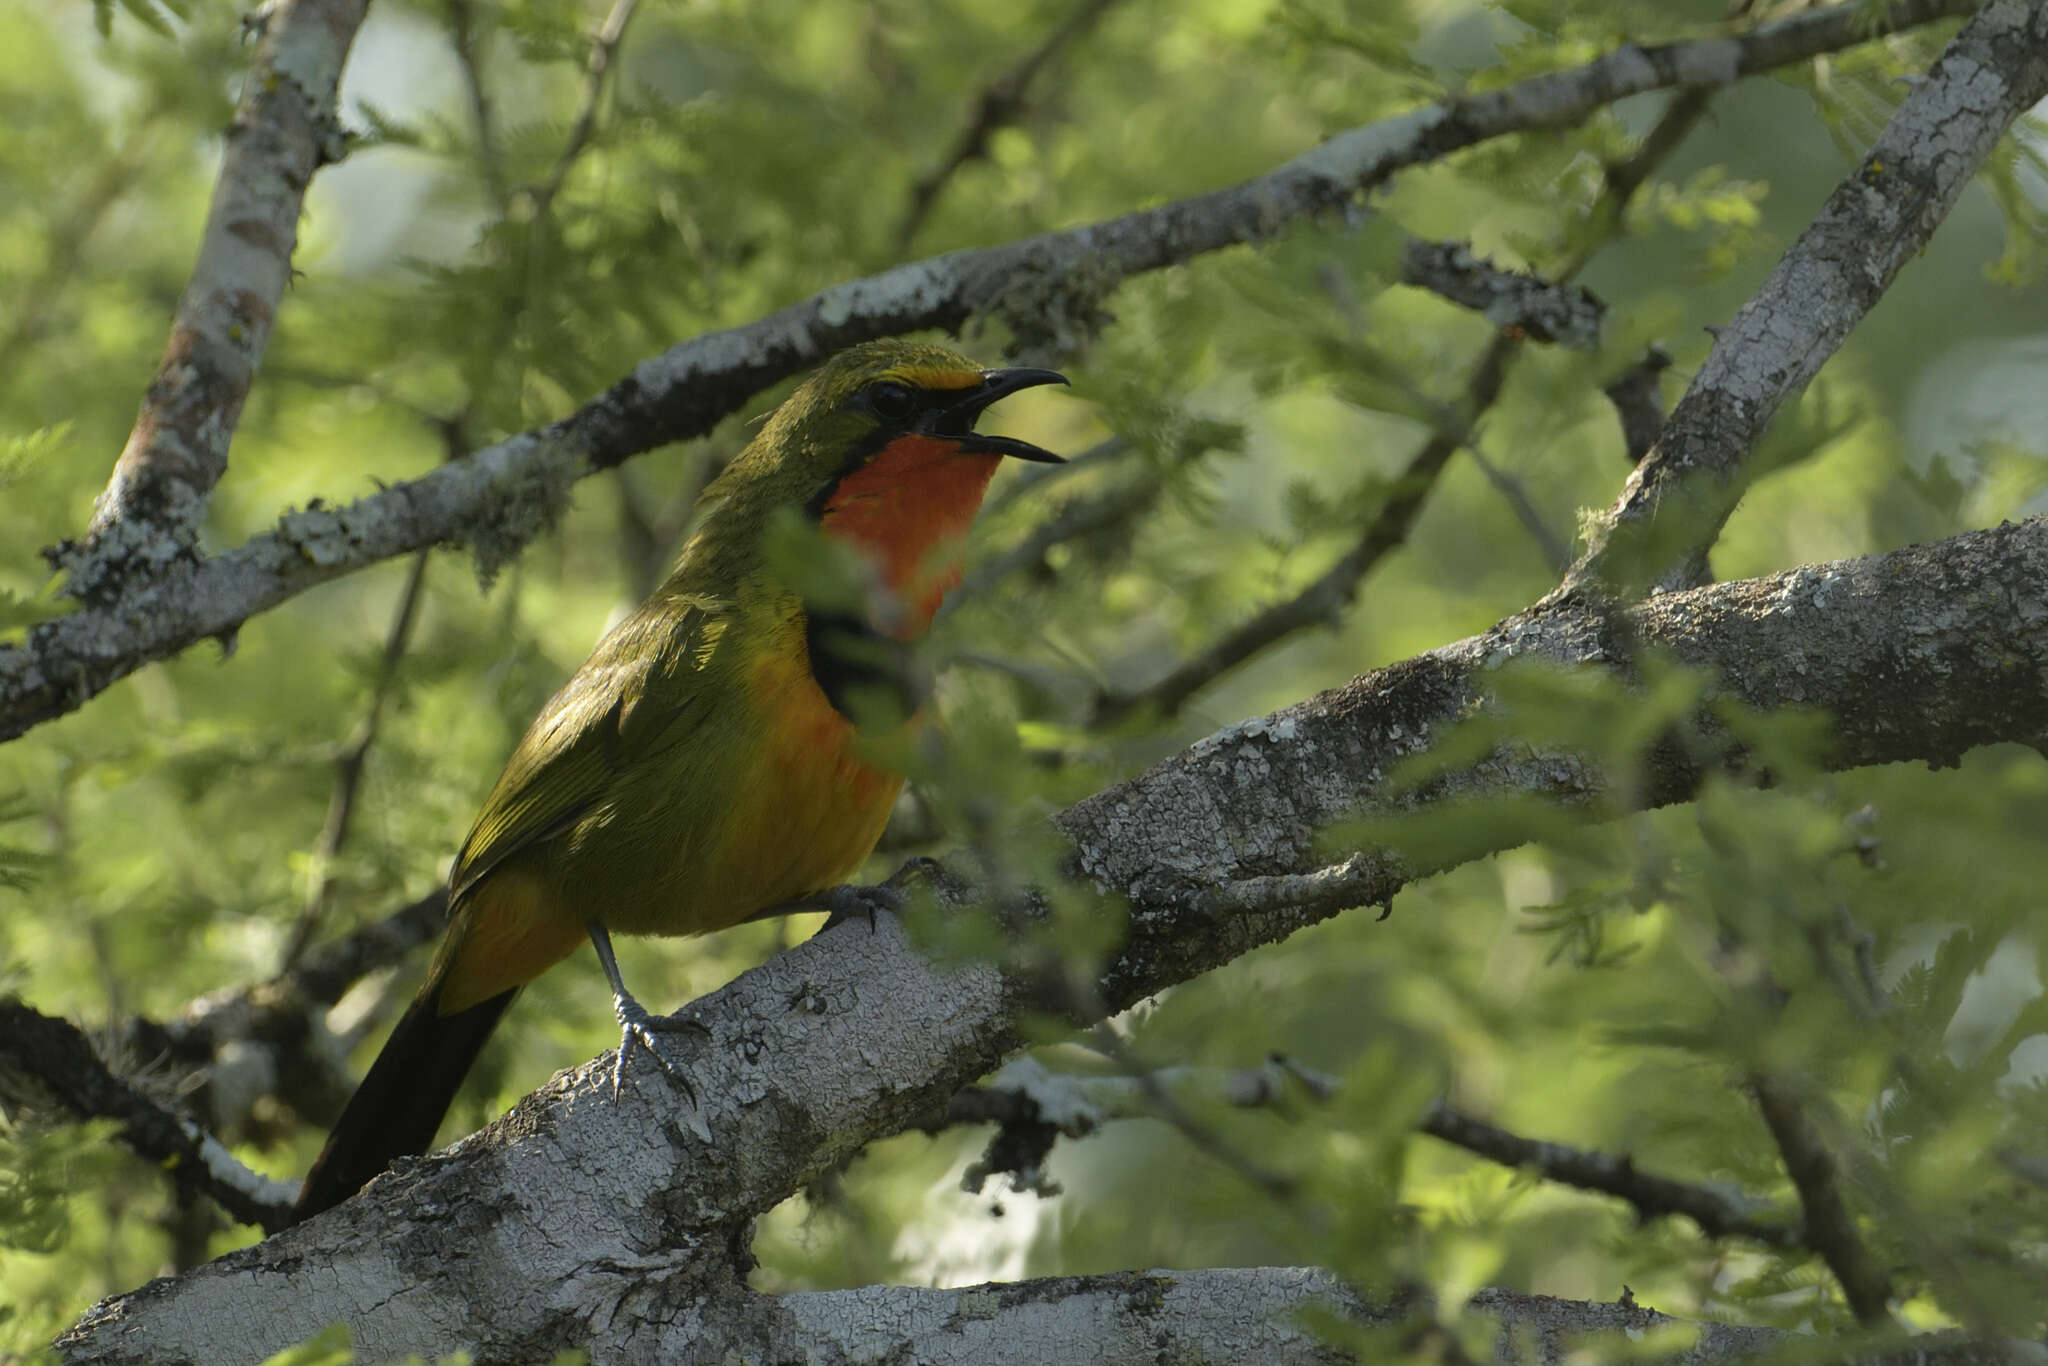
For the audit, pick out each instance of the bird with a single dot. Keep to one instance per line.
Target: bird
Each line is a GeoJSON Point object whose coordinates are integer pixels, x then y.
{"type": "Point", "coordinates": [713, 759]}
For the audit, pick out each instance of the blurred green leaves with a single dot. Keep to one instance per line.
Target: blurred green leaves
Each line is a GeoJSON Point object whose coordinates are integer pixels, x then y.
{"type": "Point", "coordinates": [1606, 982]}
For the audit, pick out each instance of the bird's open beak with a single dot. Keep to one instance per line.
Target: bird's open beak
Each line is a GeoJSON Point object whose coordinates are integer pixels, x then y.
{"type": "Point", "coordinates": [957, 418]}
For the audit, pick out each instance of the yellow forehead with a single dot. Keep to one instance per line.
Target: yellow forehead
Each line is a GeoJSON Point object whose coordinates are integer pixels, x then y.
{"type": "Point", "coordinates": [936, 376]}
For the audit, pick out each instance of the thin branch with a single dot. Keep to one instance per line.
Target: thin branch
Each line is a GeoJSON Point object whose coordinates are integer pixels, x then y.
{"type": "Point", "coordinates": [1033, 477]}
{"type": "Point", "coordinates": [1877, 220]}
{"type": "Point", "coordinates": [502, 496]}
{"type": "Point", "coordinates": [1830, 1231]}
{"type": "Point", "coordinates": [1198, 1132]}
{"type": "Point", "coordinates": [604, 51]}
{"type": "Point", "coordinates": [1075, 519]}
{"type": "Point", "coordinates": [1079, 1105]}
{"type": "Point", "coordinates": [270, 1030]}
{"type": "Point", "coordinates": [285, 128]}
{"type": "Point", "coordinates": [490, 161]}
{"type": "Point", "coordinates": [1515, 494]}
{"type": "Point", "coordinates": [1026, 1093]}
{"type": "Point", "coordinates": [350, 763]}
{"type": "Point", "coordinates": [69, 1069]}
{"type": "Point", "coordinates": [1324, 600]}
{"type": "Point", "coordinates": [69, 232]}
{"type": "Point", "coordinates": [1719, 1213]}
{"type": "Point", "coordinates": [1355, 882]}
{"type": "Point", "coordinates": [1000, 104]}
{"type": "Point", "coordinates": [1548, 310]}
{"type": "Point", "coordinates": [1639, 403]}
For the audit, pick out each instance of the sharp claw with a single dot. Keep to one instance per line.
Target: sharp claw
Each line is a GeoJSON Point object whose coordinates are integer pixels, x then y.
{"type": "Point", "coordinates": [852, 900]}
{"type": "Point", "coordinates": [637, 1026]}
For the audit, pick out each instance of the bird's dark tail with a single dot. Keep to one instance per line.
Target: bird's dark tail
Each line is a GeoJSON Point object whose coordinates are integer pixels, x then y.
{"type": "Point", "coordinates": [403, 1099]}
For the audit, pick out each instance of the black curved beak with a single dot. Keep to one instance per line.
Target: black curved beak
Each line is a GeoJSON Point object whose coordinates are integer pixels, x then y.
{"type": "Point", "coordinates": [957, 418]}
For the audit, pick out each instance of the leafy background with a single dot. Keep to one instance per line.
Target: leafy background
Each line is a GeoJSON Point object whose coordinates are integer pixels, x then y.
{"type": "Point", "coordinates": [1597, 987]}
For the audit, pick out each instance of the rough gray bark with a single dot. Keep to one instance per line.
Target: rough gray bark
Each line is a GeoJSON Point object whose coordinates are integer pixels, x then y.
{"type": "Point", "coordinates": [1046, 289]}
{"type": "Point", "coordinates": [285, 128]}
{"type": "Point", "coordinates": [579, 1220]}
{"type": "Point", "coordinates": [1881, 217]}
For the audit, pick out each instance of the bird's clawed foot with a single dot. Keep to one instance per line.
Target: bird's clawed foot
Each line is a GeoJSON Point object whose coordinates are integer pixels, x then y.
{"type": "Point", "coordinates": [857, 901]}
{"type": "Point", "coordinates": [636, 1026]}
{"type": "Point", "coordinates": [863, 900]}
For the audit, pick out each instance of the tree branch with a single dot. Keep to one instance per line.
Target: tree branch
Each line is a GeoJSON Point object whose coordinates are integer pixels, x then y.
{"type": "Point", "coordinates": [1719, 1213]}
{"type": "Point", "coordinates": [68, 1069]}
{"type": "Point", "coordinates": [349, 765]}
{"type": "Point", "coordinates": [1829, 1229]}
{"type": "Point", "coordinates": [1639, 403]}
{"type": "Point", "coordinates": [1323, 600]}
{"type": "Point", "coordinates": [490, 162]}
{"type": "Point", "coordinates": [1000, 104]}
{"type": "Point", "coordinates": [285, 128]}
{"type": "Point", "coordinates": [267, 1039]}
{"type": "Point", "coordinates": [1920, 654]}
{"type": "Point", "coordinates": [1045, 287]}
{"type": "Point", "coordinates": [1673, 505]}
{"type": "Point", "coordinates": [604, 51]}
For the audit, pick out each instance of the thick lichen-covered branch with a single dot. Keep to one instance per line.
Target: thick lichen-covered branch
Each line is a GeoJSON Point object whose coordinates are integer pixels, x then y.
{"type": "Point", "coordinates": [1919, 654]}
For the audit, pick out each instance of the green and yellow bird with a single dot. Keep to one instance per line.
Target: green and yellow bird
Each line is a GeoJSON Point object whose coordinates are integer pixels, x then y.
{"type": "Point", "coordinates": [704, 765]}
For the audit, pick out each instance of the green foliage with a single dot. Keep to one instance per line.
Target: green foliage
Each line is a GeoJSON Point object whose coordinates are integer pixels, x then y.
{"type": "Point", "coordinates": [1868, 935]}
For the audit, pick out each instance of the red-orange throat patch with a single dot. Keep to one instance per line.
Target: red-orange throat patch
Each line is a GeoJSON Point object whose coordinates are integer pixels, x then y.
{"type": "Point", "coordinates": [909, 508]}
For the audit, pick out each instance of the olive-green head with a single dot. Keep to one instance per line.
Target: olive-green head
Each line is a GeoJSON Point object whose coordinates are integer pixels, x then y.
{"type": "Point", "coordinates": [856, 403]}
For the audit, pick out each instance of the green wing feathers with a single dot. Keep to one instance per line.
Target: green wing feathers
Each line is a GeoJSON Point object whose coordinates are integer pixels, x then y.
{"type": "Point", "coordinates": [589, 735]}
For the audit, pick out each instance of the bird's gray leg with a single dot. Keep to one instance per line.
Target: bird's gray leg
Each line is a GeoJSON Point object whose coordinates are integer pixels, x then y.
{"type": "Point", "coordinates": [635, 1024]}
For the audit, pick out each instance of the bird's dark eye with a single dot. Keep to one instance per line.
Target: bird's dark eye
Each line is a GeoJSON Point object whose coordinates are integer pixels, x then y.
{"type": "Point", "coordinates": [891, 401]}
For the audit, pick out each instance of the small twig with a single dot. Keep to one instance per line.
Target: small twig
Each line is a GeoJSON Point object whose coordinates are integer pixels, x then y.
{"type": "Point", "coordinates": [1718, 1213]}
{"type": "Point", "coordinates": [1024, 1094]}
{"type": "Point", "coordinates": [1078, 518]}
{"type": "Point", "coordinates": [462, 36]}
{"type": "Point", "coordinates": [1025, 1091]}
{"type": "Point", "coordinates": [1639, 404]}
{"type": "Point", "coordinates": [1033, 477]}
{"type": "Point", "coordinates": [269, 1029]}
{"type": "Point", "coordinates": [647, 540]}
{"type": "Point", "coordinates": [1361, 880]}
{"type": "Point", "coordinates": [350, 763]}
{"type": "Point", "coordinates": [1516, 494]}
{"type": "Point", "coordinates": [1830, 1231]}
{"type": "Point", "coordinates": [1324, 600]}
{"type": "Point", "coordinates": [1548, 311]}
{"type": "Point", "coordinates": [1623, 178]}
{"type": "Point", "coordinates": [604, 49]}
{"type": "Point", "coordinates": [1205, 1139]}
{"type": "Point", "coordinates": [325, 974]}
{"type": "Point", "coordinates": [1000, 104]}
{"type": "Point", "coordinates": [59, 1057]}
{"type": "Point", "coordinates": [68, 233]}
